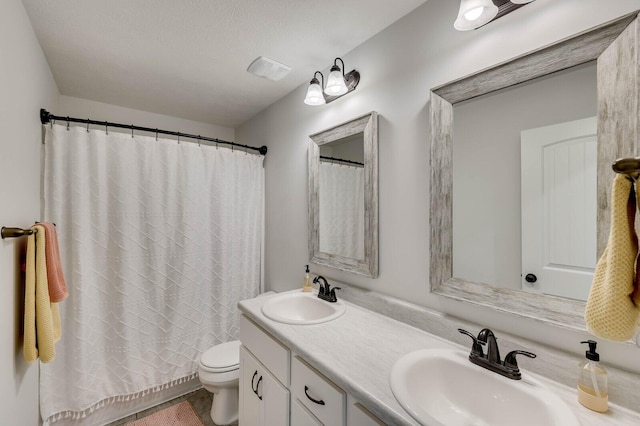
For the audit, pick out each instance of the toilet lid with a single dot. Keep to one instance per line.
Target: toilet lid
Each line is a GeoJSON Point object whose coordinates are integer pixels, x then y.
{"type": "Point", "coordinates": [225, 356]}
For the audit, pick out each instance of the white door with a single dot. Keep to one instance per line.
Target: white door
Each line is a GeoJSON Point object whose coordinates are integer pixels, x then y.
{"type": "Point", "coordinates": [558, 205]}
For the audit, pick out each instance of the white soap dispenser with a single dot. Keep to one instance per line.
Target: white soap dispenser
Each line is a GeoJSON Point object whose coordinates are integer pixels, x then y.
{"type": "Point", "coordinates": [592, 385]}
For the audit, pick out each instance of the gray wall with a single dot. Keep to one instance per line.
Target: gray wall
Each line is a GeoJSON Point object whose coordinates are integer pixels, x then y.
{"type": "Point", "coordinates": [26, 85]}
{"type": "Point", "coordinates": [398, 67]}
{"type": "Point", "coordinates": [83, 108]}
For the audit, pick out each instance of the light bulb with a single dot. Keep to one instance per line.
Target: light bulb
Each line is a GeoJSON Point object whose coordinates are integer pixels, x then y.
{"type": "Point", "coordinates": [473, 14]}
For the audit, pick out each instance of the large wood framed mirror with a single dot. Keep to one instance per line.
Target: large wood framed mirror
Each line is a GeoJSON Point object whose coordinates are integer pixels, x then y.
{"type": "Point", "coordinates": [343, 196]}
{"type": "Point", "coordinates": [608, 53]}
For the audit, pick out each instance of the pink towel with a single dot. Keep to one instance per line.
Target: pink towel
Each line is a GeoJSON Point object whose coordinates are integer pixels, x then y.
{"type": "Point", "coordinates": [57, 287]}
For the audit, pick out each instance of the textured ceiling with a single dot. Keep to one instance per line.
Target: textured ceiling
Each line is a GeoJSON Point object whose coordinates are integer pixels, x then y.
{"type": "Point", "coordinates": [188, 58]}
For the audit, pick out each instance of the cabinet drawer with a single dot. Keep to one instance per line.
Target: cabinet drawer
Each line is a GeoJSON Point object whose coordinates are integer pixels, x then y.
{"type": "Point", "coordinates": [271, 353]}
{"type": "Point", "coordinates": [308, 385]}
{"type": "Point", "coordinates": [358, 415]}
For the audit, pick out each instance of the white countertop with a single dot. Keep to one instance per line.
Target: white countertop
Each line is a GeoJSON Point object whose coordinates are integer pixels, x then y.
{"type": "Point", "coordinates": [357, 351]}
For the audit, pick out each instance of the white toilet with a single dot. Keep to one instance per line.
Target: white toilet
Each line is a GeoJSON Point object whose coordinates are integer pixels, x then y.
{"type": "Point", "coordinates": [219, 370]}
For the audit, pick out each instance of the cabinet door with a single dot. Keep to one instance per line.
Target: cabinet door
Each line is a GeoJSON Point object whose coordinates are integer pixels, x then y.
{"type": "Point", "coordinates": [300, 416]}
{"type": "Point", "coordinates": [249, 404]}
{"type": "Point", "coordinates": [275, 400]}
{"type": "Point", "coordinates": [263, 399]}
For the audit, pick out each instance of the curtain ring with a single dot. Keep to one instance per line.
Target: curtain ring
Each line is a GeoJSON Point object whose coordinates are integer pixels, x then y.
{"type": "Point", "coordinates": [51, 123]}
{"type": "Point", "coordinates": [216, 143]}
{"type": "Point", "coordinates": [67, 122]}
{"type": "Point", "coordinates": [87, 125]}
{"type": "Point", "coordinates": [246, 150]}
{"type": "Point", "coordinates": [106, 128]}
{"type": "Point", "coordinates": [132, 131]}
{"type": "Point", "coordinates": [178, 138]}
{"type": "Point", "coordinates": [156, 135]}
{"type": "Point", "coordinates": [198, 140]}
{"type": "Point", "coordinates": [232, 147]}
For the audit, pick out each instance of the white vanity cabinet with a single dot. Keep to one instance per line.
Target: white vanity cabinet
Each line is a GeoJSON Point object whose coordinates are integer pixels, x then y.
{"type": "Point", "coordinates": [278, 388]}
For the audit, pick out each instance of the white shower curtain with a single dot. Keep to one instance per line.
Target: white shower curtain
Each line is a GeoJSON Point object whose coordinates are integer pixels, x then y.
{"type": "Point", "coordinates": [159, 242]}
{"type": "Point", "coordinates": [341, 210]}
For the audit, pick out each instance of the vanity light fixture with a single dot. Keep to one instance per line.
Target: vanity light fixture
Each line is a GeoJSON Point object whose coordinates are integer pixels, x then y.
{"type": "Point", "coordinates": [475, 13]}
{"type": "Point", "coordinates": [314, 92]}
{"type": "Point", "coordinates": [338, 84]}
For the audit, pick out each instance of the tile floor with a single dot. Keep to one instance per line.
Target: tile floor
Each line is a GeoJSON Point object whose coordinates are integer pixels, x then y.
{"type": "Point", "coordinates": [200, 399]}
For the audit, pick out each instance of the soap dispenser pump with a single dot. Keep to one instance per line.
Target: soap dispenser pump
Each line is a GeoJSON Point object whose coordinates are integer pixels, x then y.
{"type": "Point", "coordinates": [592, 385]}
{"type": "Point", "coordinates": [306, 285]}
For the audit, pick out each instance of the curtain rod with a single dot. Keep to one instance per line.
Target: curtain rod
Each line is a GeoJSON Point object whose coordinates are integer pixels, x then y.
{"type": "Point", "coordinates": [47, 117]}
{"type": "Point", "coordinates": [322, 157]}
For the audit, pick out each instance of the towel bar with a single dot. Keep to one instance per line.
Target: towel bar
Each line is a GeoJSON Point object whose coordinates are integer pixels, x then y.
{"type": "Point", "coordinates": [6, 232]}
{"type": "Point", "coordinates": [626, 165]}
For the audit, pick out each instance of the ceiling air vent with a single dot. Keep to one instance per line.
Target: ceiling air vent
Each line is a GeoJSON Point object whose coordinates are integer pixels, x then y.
{"type": "Point", "coordinates": [268, 68]}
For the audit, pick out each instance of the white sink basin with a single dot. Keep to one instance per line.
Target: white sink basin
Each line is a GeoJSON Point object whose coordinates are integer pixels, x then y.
{"type": "Point", "coordinates": [442, 387]}
{"type": "Point", "coordinates": [302, 308]}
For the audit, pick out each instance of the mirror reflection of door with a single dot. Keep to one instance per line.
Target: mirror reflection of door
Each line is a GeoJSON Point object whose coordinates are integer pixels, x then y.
{"type": "Point", "coordinates": [341, 197]}
{"type": "Point", "coordinates": [558, 165]}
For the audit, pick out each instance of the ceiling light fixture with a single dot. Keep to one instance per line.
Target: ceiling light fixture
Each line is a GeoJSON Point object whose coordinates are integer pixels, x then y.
{"type": "Point", "coordinates": [338, 84]}
{"type": "Point", "coordinates": [475, 13]}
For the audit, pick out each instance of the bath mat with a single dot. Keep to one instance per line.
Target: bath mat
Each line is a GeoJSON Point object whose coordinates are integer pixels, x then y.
{"type": "Point", "coordinates": [181, 414]}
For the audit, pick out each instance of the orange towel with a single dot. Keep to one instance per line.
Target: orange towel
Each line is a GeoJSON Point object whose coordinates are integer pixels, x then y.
{"type": "Point", "coordinates": [57, 286]}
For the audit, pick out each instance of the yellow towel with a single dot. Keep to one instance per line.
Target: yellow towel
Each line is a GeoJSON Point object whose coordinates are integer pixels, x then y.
{"type": "Point", "coordinates": [610, 312]}
{"type": "Point", "coordinates": [41, 317]}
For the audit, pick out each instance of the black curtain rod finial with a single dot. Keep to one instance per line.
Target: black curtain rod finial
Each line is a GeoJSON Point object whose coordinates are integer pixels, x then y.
{"type": "Point", "coordinates": [45, 116]}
